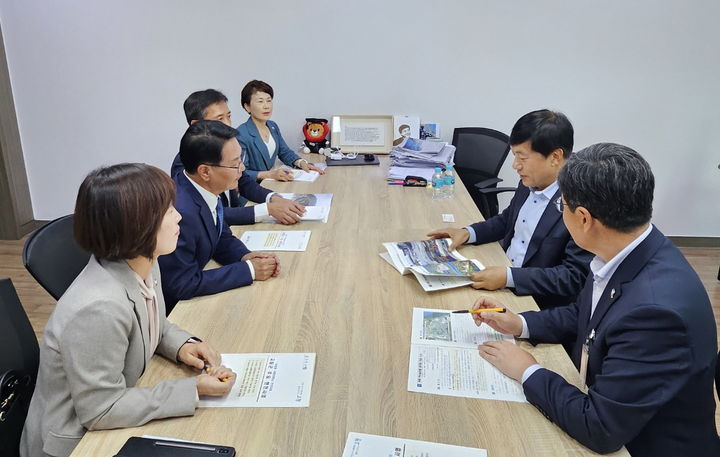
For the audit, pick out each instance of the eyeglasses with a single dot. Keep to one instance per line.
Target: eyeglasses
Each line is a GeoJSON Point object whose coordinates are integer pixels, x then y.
{"type": "Point", "coordinates": [337, 154]}
{"type": "Point", "coordinates": [216, 165]}
{"type": "Point", "coordinates": [559, 203]}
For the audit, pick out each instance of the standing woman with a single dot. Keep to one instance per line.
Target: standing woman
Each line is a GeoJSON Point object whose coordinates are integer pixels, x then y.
{"type": "Point", "coordinates": [261, 139]}
{"type": "Point", "coordinates": [111, 320]}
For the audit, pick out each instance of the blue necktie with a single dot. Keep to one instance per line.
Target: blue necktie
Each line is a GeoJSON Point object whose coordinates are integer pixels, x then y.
{"type": "Point", "coordinates": [219, 210]}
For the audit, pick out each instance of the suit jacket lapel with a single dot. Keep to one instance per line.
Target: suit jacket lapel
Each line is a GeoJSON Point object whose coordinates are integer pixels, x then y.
{"type": "Point", "coordinates": [125, 275]}
{"type": "Point", "coordinates": [520, 197]}
{"type": "Point", "coordinates": [547, 221]}
{"type": "Point", "coordinates": [202, 208]}
{"type": "Point", "coordinates": [626, 272]}
{"type": "Point", "coordinates": [260, 144]}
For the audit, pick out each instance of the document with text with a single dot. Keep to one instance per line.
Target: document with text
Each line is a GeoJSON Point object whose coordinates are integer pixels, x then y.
{"type": "Point", "coordinates": [299, 175]}
{"type": "Point", "coordinates": [432, 263]}
{"type": "Point", "coordinates": [444, 358]}
{"type": "Point", "coordinates": [276, 240]}
{"type": "Point", "coordinates": [267, 381]}
{"type": "Point", "coordinates": [363, 445]}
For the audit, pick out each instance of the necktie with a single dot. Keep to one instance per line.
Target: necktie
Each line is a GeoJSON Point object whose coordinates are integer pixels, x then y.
{"type": "Point", "coordinates": [219, 210]}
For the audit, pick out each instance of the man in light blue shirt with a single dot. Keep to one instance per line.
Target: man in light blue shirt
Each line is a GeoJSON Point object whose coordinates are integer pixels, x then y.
{"type": "Point", "coordinates": [546, 263]}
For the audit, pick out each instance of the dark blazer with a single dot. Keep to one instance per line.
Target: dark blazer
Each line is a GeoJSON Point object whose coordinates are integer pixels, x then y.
{"type": "Point", "coordinates": [182, 270]}
{"type": "Point", "coordinates": [651, 363]}
{"type": "Point", "coordinates": [554, 268]}
{"type": "Point", "coordinates": [248, 189]}
{"type": "Point", "coordinates": [256, 153]}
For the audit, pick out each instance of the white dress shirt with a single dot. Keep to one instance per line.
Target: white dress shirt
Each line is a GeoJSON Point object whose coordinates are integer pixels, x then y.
{"type": "Point", "coordinates": [212, 201]}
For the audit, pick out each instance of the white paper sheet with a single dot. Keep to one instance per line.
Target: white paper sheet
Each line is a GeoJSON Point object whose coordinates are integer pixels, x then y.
{"type": "Point", "coordinates": [267, 381]}
{"type": "Point", "coordinates": [364, 445]}
{"type": "Point", "coordinates": [444, 359]}
{"type": "Point", "coordinates": [276, 240]}
{"type": "Point", "coordinates": [299, 175]}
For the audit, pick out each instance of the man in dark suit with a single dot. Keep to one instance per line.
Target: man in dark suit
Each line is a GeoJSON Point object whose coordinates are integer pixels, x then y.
{"type": "Point", "coordinates": [546, 263]}
{"type": "Point", "coordinates": [211, 105]}
{"type": "Point", "coordinates": [645, 336]}
{"type": "Point", "coordinates": [212, 159]}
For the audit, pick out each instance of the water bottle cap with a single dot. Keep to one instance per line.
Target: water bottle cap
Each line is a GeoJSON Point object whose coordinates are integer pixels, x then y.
{"type": "Point", "coordinates": [449, 167]}
{"type": "Point", "coordinates": [437, 169]}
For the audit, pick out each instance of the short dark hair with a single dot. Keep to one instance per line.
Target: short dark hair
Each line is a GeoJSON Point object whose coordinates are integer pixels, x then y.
{"type": "Point", "coordinates": [203, 142]}
{"type": "Point", "coordinates": [196, 104]}
{"type": "Point", "coordinates": [119, 210]}
{"type": "Point", "coordinates": [547, 131]}
{"type": "Point", "coordinates": [253, 87]}
{"type": "Point", "coordinates": [613, 182]}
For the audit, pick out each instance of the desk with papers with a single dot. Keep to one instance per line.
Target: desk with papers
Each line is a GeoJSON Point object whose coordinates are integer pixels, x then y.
{"type": "Point", "coordinates": [341, 301]}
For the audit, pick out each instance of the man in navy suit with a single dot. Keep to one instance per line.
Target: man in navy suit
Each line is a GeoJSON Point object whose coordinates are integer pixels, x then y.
{"type": "Point", "coordinates": [546, 263]}
{"type": "Point", "coordinates": [645, 336]}
{"type": "Point", "coordinates": [213, 162]}
{"type": "Point", "coordinates": [211, 105]}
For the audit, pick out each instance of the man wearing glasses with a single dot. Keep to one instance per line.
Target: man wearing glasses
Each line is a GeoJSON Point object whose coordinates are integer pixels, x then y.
{"type": "Point", "coordinates": [213, 162]}
{"type": "Point", "coordinates": [643, 326]}
{"type": "Point", "coordinates": [546, 263]}
{"type": "Point", "coordinates": [211, 105]}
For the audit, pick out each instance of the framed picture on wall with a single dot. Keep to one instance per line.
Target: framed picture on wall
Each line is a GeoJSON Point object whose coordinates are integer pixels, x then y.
{"type": "Point", "coordinates": [362, 133]}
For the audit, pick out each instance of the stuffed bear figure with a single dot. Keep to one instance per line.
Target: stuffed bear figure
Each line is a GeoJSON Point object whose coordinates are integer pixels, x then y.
{"type": "Point", "coordinates": [316, 135]}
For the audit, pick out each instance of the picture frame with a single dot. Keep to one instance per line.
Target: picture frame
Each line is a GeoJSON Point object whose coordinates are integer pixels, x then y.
{"type": "Point", "coordinates": [362, 133]}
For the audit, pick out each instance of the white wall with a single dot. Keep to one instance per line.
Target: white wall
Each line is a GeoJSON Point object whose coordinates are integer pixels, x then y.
{"type": "Point", "coordinates": [102, 82]}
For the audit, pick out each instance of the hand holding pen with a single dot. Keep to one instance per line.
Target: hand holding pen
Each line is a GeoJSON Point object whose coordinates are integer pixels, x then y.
{"type": "Point", "coordinates": [491, 312]}
{"type": "Point", "coordinates": [215, 381]}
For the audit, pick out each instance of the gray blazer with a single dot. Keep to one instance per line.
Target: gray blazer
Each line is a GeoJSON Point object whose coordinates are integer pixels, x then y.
{"type": "Point", "coordinates": [92, 354]}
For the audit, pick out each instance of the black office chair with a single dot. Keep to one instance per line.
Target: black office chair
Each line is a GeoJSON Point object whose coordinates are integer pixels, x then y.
{"type": "Point", "coordinates": [19, 359]}
{"type": "Point", "coordinates": [479, 155]}
{"type": "Point", "coordinates": [53, 258]}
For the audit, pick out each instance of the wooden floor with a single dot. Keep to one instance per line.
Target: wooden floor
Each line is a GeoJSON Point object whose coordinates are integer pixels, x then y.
{"type": "Point", "coordinates": [39, 304]}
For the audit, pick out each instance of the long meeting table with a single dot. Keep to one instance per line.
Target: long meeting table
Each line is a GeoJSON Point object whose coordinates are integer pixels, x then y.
{"type": "Point", "coordinates": [340, 300]}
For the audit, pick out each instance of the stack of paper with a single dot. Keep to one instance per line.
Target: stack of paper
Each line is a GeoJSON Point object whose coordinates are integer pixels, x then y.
{"type": "Point", "coordinates": [444, 358]}
{"type": "Point", "coordinates": [316, 205]}
{"type": "Point", "coordinates": [432, 263]}
{"type": "Point", "coordinates": [416, 153]}
{"type": "Point", "coordinates": [363, 445]}
{"type": "Point", "coordinates": [402, 172]}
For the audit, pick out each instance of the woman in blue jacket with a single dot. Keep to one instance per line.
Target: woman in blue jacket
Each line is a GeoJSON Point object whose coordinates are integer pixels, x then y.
{"type": "Point", "coordinates": [260, 137]}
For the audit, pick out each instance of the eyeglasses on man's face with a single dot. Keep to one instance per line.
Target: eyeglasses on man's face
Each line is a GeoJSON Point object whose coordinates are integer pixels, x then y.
{"type": "Point", "coordinates": [559, 203]}
{"type": "Point", "coordinates": [217, 165]}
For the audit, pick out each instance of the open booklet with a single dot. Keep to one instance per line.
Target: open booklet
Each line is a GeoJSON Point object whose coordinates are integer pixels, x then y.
{"type": "Point", "coordinates": [444, 358]}
{"type": "Point", "coordinates": [363, 445]}
{"type": "Point", "coordinates": [432, 262]}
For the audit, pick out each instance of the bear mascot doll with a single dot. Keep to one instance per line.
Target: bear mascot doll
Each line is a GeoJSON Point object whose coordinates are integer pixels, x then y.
{"type": "Point", "coordinates": [316, 135]}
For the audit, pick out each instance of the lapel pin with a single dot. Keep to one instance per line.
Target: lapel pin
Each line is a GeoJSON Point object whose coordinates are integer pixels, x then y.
{"type": "Point", "coordinates": [612, 293]}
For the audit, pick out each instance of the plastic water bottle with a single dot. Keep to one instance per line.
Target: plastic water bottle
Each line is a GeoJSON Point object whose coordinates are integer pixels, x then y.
{"type": "Point", "coordinates": [438, 181]}
{"type": "Point", "coordinates": [449, 181]}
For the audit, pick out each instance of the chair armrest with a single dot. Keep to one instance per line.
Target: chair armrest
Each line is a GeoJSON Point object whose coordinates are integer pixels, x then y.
{"type": "Point", "coordinates": [497, 190]}
{"type": "Point", "coordinates": [487, 182]}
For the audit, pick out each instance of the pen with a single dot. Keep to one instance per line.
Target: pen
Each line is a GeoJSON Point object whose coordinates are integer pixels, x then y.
{"type": "Point", "coordinates": [478, 311]}
{"type": "Point", "coordinates": [207, 371]}
{"type": "Point", "coordinates": [395, 183]}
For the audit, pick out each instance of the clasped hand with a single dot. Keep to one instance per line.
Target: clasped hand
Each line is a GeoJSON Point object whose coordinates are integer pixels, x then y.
{"type": "Point", "coordinates": [218, 380]}
{"type": "Point", "coordinates": [266, 265]}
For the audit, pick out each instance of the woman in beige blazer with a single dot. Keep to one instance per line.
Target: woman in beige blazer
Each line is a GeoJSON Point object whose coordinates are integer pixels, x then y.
{"type": "Point", "coordinates": [111, 320]}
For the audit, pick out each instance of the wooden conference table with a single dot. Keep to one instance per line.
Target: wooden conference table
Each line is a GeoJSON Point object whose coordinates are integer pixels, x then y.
{"type": "Point", "coordinates": [340, 300]}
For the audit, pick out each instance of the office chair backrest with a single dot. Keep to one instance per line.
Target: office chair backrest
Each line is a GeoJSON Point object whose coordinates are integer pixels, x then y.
{"type": "Point", "coordinates": [19, 359]}
{"type": "Point", "coordinates": [53, 258]}
{"type": "Point", "coordinates": [480, 149]}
